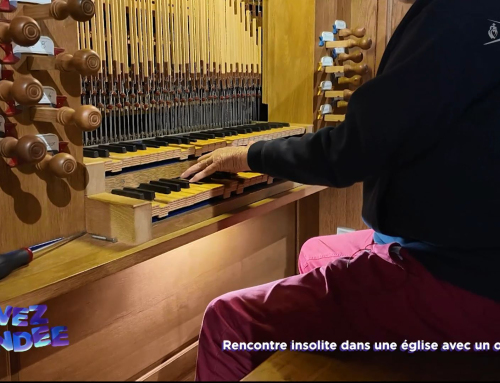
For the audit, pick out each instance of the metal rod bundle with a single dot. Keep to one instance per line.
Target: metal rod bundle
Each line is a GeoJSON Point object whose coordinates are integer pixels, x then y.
{"type": "Point", "coordinates": [173, 66]}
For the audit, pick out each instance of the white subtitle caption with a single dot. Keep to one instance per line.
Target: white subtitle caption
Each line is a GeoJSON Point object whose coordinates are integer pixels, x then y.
{"type": "Point", "coordinates": [322, 345]}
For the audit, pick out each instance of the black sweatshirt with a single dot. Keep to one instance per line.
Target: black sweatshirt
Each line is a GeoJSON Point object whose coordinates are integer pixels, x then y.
{"type": "Point", "coordinates": [424, 137]}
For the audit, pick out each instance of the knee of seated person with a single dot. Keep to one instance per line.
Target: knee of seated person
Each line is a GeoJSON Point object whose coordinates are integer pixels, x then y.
{"type": "Point", "coordinates": [220, 306]}
{"type": "Point", "coordinates": [310, 247]}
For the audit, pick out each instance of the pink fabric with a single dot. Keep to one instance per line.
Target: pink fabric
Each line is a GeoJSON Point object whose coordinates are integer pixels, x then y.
{"type": "Point", "coordinates": [349, 289]}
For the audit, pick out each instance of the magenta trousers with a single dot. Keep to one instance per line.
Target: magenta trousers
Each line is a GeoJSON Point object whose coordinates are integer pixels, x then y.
{"type": "Point", "coordinates": [348, 289]}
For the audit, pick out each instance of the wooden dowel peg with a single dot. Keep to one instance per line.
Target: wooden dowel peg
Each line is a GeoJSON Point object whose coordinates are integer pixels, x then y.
{"type": "Point", "coordinates": [355, 80]}
{"type": "Point", "coordinates": [341, 95]}
{"type": "Point", "coordinates": [355, 57]}
{"type": "Point", "coordinates": [61, 165]}
{"type": "Point", "coordinates": [87, 117]}
{"type": "Point", "coordinates": [86, 62]}
{"type": "Point", "coordinates": [24, 90]}
{"type": "Point", "coordinates": [22, 30]}
{"type": "Point", "coordinates": [364, 43]}
{"type": "Point", "coordinates": [358, 32]}
{"type": "Point", "coordinates": [79, 10]}
{"type": "Point", "coordinates": [28, 149]}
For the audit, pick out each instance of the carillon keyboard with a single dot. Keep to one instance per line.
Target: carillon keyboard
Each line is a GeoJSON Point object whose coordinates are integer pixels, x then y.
{"type": "Point", "coordinates": [148, 151]}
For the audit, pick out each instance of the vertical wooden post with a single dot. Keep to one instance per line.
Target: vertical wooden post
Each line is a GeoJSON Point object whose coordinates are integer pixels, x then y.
{"type": "Point", "coordinates": [289, 69]}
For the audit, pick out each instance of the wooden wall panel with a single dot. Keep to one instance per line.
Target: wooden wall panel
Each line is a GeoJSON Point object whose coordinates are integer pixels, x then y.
{"type": "Point", "coordinates": [4, 364]}
{"type": "Point", "coordinates": [289, 59]}
{"type": "Point", "coordinates": [397, 9]}
{"type": "Point", "coordinates": [390, 14]}
{"type": "Point", "coordinates": [121, 325]}
{"type": "Point", "coordinates": [307, 219]}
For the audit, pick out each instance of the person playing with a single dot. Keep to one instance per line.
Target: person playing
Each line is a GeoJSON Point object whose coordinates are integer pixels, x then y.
{"type": "Point", "coordinates": [424, 138]}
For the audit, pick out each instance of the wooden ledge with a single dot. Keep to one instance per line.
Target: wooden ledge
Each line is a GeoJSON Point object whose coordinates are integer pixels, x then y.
{"type": "Point", "coordinates": [86, 260]}
{"type": "Point", "coordinates": [371, 366]}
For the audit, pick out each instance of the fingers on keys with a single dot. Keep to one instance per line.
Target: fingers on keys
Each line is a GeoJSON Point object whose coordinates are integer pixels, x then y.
{"type": "Point", "coordinates": [208, 171]}
{"type": "Point", "coordinates": [203, 163]}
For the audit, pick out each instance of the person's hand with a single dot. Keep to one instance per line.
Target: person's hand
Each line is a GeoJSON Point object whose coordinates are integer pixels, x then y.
{"type": "Point", "coordinates": [230, 160]}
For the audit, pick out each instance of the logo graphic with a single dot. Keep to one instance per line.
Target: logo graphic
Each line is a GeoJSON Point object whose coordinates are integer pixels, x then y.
{"type": "Point", "coordinates": [493, 32]}
{"type": "Point", "coordinates": [21, 338]}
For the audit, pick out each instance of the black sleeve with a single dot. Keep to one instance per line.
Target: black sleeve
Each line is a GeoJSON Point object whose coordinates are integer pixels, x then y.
{"type": "Point", "coordinates": [437, 70]}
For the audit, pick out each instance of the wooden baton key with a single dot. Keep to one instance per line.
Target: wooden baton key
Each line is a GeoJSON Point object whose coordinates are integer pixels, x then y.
{"type": "Point", "coordinates": [339, 95]}
{"type": "Point", "coordinates": [355, 80]}
{"type": "Point", "coordinates": [22, 30]}
{"type": "Point", "coordinates": [364, 43]}
{"type": "Point", "coordinates": [358, 32]}
{"type": "Point", "coordinates": [342, 104]}
{"type": "Point", "coordinates": [334, 118]}
{"type": "Point", "coordinates": [79, 10]}
{"type": "Point", "coordinates": [86, 62]}
{"type": "Point", "coordinates": [61, 165]}
{"type": "Point", "coordinates": [355, 57]}
{"type": "Point", "coordinates": [24, 90]}
{"type": "Point", "coordinates": [347, 70]}
{"type": "Point", "coordinates": [29, 149]}
{"type": "Point", "coordinates": [87, 117]}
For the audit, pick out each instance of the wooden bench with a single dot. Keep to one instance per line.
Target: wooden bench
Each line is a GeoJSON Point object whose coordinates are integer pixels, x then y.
{"type": "Point", "coordinates": [382, 366]}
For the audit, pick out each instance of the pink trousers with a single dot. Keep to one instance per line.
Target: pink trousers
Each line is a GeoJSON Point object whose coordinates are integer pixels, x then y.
{"type": "Point", "coordinates": [349, 289]}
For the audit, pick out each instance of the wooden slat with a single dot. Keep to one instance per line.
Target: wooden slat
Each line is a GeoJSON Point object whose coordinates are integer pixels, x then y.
{"type": "Point", "coordinates": [178, 368]}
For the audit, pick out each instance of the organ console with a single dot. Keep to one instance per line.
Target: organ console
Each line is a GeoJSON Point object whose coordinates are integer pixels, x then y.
{"type": "Point", "coordinates": [109, 102]}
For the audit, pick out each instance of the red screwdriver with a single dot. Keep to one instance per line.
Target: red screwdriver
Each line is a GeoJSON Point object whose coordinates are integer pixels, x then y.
{"type": "Point", "coordinates": [14, 260]}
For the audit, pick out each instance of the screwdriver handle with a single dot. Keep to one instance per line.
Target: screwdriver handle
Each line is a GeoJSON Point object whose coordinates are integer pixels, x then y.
{"type": "Point", "coordinates": [14, 260]}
